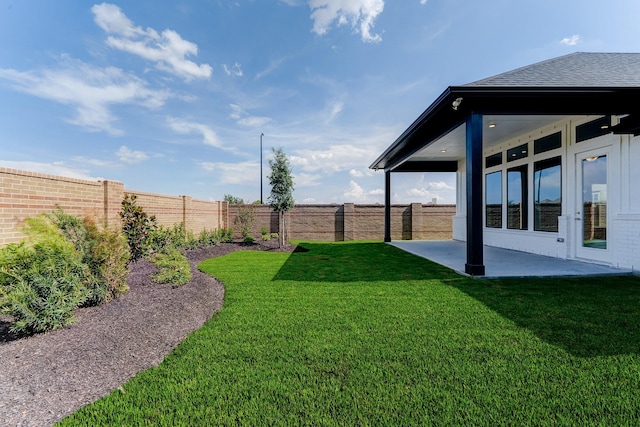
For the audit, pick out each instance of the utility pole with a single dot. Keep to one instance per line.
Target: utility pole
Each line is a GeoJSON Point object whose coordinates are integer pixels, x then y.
{"type": "Point", "coordinates": [261, 135]}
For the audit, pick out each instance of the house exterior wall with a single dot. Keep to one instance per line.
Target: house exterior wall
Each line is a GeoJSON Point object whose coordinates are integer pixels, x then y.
{"type": "Point", "coordinates": [623, 199]}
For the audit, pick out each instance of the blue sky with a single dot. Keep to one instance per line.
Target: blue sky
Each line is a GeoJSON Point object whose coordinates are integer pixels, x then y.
{"type": "Point", "coordinates": [172, 96]}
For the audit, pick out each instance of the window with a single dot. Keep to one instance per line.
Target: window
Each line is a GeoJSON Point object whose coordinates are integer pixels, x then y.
{"type": "Point", "coordinates": [493, 200]}
{"type": "Point", "coordinates": [593, 129]}
{"type": "Point", "coordinates": [516, 153]}
{"type": "Point", "coordinates": [493, 160]}
{"type": "Point", "coordinates": [547, 143]}
{"type": "Point", "coordinates": [517, 198]}
{"type": "Point", "coordinates": [547, 194]}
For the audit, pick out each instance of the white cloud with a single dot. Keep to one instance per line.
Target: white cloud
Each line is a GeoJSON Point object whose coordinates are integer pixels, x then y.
{"type": "Point", "coordinates": [356, 194]}
{"type": "Point", "coordinates": [234, 70]}
{"type": "Point", "coordinates": [423, 1]}
{"type": "Point", "coordinates": [570, 41]}
{"type": "Point", "coordinates": [335, 158]}
{"type": "Point", "coordinates": [185, 127]}
{"type": "Point", "coordinates": [244, 119]}
{"type": "Point", "coordinates": [127, 155]}
{"type": "Point", "coordinates": [335, 109]}
{"type": "Point", "coordinates": [273, 65]}
{"type": "Point", "coordinates": [236, 112]}
{"type": "Point", "coordinates": [90, 90]}
{"type": "Point", "coordinates": [439, 186]}
{"type": "Point", "coordinates": [301, 180]}
{"type": "Point", "coordinates": [356, 173]}
{"type": "Point", "coordinates": [243, 173]}
{"type": "Point", "coordinates": [254, 122]}
{"type": "Point", "coordinates": [361, 14]}
{"type": "Point", "coordinates": [168, 49]}
{"type": "Point", "coordinates": [438, 190]}
{"type": "Point", "coordinates": [56, 168]}
{"type": "Point", "coordinates": [94, 162]}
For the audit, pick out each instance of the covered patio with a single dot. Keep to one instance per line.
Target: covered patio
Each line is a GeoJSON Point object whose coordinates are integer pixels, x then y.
{"type": "Point", "coordinates": [502, 263]}
{"type": "Point", "coordinates": [542, 156]}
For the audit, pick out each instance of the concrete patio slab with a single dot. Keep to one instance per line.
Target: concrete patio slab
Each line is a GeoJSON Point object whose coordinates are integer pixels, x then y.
{"type": "Point", "coordinates": [504, 262]}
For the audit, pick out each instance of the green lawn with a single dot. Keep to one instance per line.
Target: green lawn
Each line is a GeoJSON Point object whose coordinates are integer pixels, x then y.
{"type": "Point", "coordinates": [365, 334]}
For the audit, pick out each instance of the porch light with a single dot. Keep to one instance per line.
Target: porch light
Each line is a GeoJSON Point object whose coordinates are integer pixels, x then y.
{"type": "Point", "coordinates": [456, 103]}
{"type": "Point", "coordinates": [492, 125]}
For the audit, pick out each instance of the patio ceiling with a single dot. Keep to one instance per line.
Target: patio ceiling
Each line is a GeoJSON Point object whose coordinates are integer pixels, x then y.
{"type": "Point", "coordinates": [451, 146]}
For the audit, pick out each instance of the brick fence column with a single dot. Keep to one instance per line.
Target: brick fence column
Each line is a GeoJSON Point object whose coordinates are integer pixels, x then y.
{"type": "Point", "coordinates": [113, 196]}
{"type": "Point", "coordinates": [187, 213]}
{"type": "Point", "coordinates": [416, 221]}
{"type": "Point", "coordinates": [349, 221]}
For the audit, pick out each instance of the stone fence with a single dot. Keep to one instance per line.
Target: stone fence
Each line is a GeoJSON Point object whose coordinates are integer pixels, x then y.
{"type": "Point", "coordinates": [27, 194]}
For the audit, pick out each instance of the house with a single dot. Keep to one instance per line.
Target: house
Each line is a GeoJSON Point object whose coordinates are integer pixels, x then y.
{"type": "Point", "coordinates": [547, 159]}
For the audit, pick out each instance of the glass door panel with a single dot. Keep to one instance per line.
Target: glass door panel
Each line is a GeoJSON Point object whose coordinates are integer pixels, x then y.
{"type": "Point", "coordinates": [594, 202]}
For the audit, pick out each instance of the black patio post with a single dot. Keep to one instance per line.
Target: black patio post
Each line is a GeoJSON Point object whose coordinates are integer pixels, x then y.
{"type": "Point", "coordinates": [475, 244]}
{"type": "Point", "coordinates": [387, 206]}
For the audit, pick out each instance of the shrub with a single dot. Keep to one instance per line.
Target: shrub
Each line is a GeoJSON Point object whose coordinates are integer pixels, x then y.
{"type": "Point", "coordinates": [108, 262]}
{"type": "Point", "coordinates": [245, 219]}
{"type": "Point", "coordinates": [74, 230]}
{"type": "Point", "coordinates": [266, 236]}
{"type": "Point", "coordinates": [227, 236]}
{"type": "Point", "coordinates": [248, 239]}
{"type": "Point", "coordinates": [274, 235]}
{"type": "Point", "coordinates": [136, 226]}
{"type": "Point", "coordinates": [161, 237]}
{"type": "Point", "coordinates": [104, 251]}
{"type": "Point", "coordinates": [173, 267]}
{"type": "Point", "coordinates": [209, 238]}
{"type": "Point", "coordinates": [42, 280]}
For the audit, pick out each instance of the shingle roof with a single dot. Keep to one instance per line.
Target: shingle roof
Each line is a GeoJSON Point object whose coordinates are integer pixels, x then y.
{"type": "Point", "coordinates": [575, 70]}
{"type": "Point", "coordinates": [575, 84]}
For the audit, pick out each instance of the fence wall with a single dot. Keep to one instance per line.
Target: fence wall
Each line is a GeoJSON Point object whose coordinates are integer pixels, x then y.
{"type": "Point", "coordinates": [27, 194]}
{"type": "Point", "coordinates": [355, 222]}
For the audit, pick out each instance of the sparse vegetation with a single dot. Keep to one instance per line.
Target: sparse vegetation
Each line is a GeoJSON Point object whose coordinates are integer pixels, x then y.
{"type": "Point", "coordinates": [245, 219]}
{"type": "Point", "coordinates": [264, 231]}
{"type": "Point", "coordinates": [173, 267]}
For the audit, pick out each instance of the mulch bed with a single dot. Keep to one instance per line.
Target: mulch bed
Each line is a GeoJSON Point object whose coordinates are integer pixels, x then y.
{"type": "Point", "coordinates": [46, 377]}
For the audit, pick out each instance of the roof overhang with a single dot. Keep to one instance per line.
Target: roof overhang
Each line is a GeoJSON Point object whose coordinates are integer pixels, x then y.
{"type": "Point", "coordinates": [456, 103]}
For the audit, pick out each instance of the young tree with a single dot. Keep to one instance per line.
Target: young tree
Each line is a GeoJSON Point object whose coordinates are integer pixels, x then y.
{"type": "Point", "coordinates": [281, 198]}
{"type": "Point", "coordinates": [233, 200]}
{"type": "Point", "coordinates": [245, 219]}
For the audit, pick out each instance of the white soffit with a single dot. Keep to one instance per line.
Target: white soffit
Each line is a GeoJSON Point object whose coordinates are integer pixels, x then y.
{"type": "Point", "coordinates": [452, 145]}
